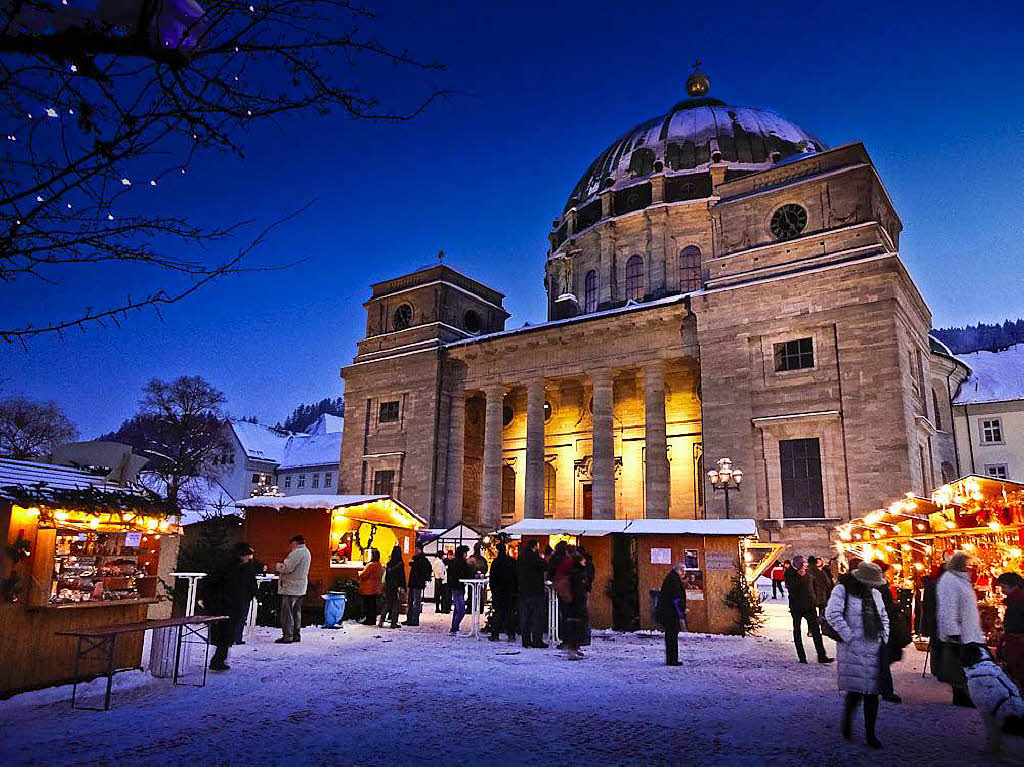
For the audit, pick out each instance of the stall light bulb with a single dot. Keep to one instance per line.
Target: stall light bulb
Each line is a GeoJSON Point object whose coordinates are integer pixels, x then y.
{"type": "Point", "coordinates": [918, 566]}
{"type": "Point", "coordinates": [151, 524]}
{"type": "Point", "coordinates": [60, 514]}
{"type": "Point", "coordinates": [94, 523]}
{"type": "Point", "coordinates": [994, 524]}
{"type": "Point", "coordinates": [968, 547]}
{"type": "Point", "coordinates": [950, 525]}
{"type": "Point", "coordinates": [164, 525]}
{"type": "Point", "coordinates": [1015, 552]}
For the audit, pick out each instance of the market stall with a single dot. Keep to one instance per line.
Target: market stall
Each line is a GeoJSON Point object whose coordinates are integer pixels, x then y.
{"type": "Point", "coordinates": [981, 516]}
{"type": "Point", "coordinates": [80, 551]}
{"type": "Point", "coordinates": [632, 557]}
{"type": "Point", "coordinates": [340, 531]}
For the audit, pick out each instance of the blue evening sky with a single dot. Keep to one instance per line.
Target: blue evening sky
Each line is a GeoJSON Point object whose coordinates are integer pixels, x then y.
{"type": "Point", "coordinates": [934, 92]}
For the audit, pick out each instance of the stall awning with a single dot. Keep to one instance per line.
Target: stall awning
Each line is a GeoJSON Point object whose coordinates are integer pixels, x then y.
{"type": "Point", "coordinates": [599, 527]}
{"type": "Point", "coordinates": [327, 503]}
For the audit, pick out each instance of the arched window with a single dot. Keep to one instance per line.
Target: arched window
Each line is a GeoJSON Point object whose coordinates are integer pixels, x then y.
{"type": "Point", "coordinates": [689, 268]}
{"type": "Point", "coordinates": [938, 413]}
{"type": "Point", "coordinates": [635, 279]}
{"type": "Point", "coordinates": [590, 292]}
{"type": "Point", "coordinates": [549, 490]}
{"type": "Point", "coordinates": [508, 493]}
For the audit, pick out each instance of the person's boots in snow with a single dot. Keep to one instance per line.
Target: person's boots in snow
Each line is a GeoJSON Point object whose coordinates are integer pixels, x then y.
{"type": "Point", "coordinates": [870, 718]}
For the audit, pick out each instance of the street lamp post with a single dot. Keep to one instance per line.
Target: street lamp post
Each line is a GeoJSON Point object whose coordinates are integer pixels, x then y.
{"type": "Point", "coordinates": [726, 478]}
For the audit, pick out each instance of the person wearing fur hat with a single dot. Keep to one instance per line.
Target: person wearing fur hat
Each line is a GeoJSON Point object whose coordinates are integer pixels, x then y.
{"type": "Point", "coordinates": [957, 623]}
{"type": "Point", "coordinates": [856, 612]}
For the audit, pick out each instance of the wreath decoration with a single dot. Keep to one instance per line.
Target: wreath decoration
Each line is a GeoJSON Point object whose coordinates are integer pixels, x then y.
{"type": "Point", "coordinates": [359, 536]}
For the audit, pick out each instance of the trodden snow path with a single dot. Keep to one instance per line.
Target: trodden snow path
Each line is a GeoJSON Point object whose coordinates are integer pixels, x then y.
{"type": "Point", "coordinates": [365, 696]}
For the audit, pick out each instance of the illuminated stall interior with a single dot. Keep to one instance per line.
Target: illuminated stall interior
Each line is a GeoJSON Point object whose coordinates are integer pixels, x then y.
{"type": "Point", "coordinates": [981, 516]}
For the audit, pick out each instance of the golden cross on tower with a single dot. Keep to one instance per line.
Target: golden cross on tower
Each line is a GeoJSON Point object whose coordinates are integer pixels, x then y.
{"type": "Point", "coordinates": [696, 64]}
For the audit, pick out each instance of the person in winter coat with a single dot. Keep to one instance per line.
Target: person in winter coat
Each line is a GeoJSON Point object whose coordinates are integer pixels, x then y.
{"type": "Point", "coordinates": [504, 590]}
{"type": "Point", "coordinates": [458, 571]}
{"type": "Point", "coordinates": [532, 596]}
{"type": "Point", "coordinates": [574, 609]}
{"type": "Point", "coordinates": [890, 653]}
{"type": "Point", "coordinates": [292, 583]}
{"type": "Point", "coordinates": [420, 573]}
{"type": "Point", "coordinates": [588, 565]}
{"type": "Point", "coordinates": [993, 693]}
{"type": "Point", "coordinates": [1011, 646]}
{"type": "Point", "coordinates": [370, 581]}
{"type": "Point", "coordinates": [394, 582]}
{"type": "Point", "coordinates": [671, 612]}
{"type": "Point", "coordinates": [819, 585]}
{"type": "Point", "coordinates": [801, 608]}
{"type": "Point", "coordinates": [228, 591]}
{"type": "Point", "coordinates": [957, 623]}
{"type": "Point", "coordinates": [856, 612]}
{"type": "Point", "coordinates": [442, 594]}
{"type": "Point", "coordinates": [778, 576]}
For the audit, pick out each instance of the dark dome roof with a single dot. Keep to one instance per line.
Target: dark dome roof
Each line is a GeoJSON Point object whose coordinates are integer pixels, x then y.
{"type": "Point", "coordinates": [684, 140]}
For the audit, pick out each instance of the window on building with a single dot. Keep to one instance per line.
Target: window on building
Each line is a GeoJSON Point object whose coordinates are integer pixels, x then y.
{"type": "Point", "coordinates": [316, 480]}
{"type": "Point", "coordinates": [302, 481]}
{"type": "Point", "coordinates": [508, 493]}
{"type": "Point", "coordinates": [549, 490]}
{"type": "Point", "coordinates": [255, 479]}
{"type": "Point", "coordinates": [800, 462]}
{"type": "Point", "coordinates": [991, 431]}
{"type": "Point", "coordinates": [383, 482]}
{"type": "Point", "coordinates": [388, 412]}
{"type": "Point", "coordinates": [507, 414]}
{"type": "Point", "coordinates": [938, 412]}
{"type": "Point", "coordinates": [997, 470]}
{"type": "Point", "coordinates": [794, 355]}
{"type": "Point", "coordinates": [287, 481]}
{"type": "Point", "coordinates": [328, 479]}
{"type": "Point", "coordinates": [547, 411]}
{"type": "Point", "coordinates": [689, 268]}
{"type": "Point", "coordinates": [590, 291]}
{"type": "Point", "coordinates": [948, 472]}
{"type": "Point", "coordinates": [635, 278]}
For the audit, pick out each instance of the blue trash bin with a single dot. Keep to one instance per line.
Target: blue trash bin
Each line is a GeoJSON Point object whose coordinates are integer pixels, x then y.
{"type": "Point", "coordinates": [334, 609]}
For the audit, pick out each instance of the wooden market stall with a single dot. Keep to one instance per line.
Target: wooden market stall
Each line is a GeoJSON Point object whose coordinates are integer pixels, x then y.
{"type": "Point", "coordinates": [340, 531]}
{"type": "Point", "coordinates": [80, 552]}
{"type": "Point", "coordinates": [981, 516]}
{"type": "Point", "coordinates": [632, 557]}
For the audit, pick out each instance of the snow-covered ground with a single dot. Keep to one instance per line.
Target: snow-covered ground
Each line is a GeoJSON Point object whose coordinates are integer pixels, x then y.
{"type": "Point", "coordinates": [365, 696]}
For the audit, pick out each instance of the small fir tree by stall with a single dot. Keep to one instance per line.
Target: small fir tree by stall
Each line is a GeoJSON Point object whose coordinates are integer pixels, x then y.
{"type": "Point", "coordinates": [743, 598]}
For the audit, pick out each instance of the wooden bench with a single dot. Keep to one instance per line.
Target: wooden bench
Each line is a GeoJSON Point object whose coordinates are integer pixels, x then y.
{"type": "Point", "coordinates": [101, 641]}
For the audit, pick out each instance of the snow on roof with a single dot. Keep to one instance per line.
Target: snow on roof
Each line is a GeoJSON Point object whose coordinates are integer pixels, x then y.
{"type": "Point", "coordinates": [260, 441]}
{"type": "Point", "coordinates": [312, 450]}
{"type": "Point", "coordinates": [630, 307]}
{"type": "Point", "coordinates": [599, 527]}
{"type": "Point", "coordinates": [14, 472]}
{"type": "Point", "coordinates": [327, 424]}
{"type": "Point", "coordinates": [995, 377]}
{"type": "Point", "coordinates": [318, 502]}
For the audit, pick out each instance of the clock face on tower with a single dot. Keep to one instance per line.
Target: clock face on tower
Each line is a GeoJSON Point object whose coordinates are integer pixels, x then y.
{"type": "Point", "coordinates": [788, 221]}
{"type": "Point", "coordinates": [403, 317]}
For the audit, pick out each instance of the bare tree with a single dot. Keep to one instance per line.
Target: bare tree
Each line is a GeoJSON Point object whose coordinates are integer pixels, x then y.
{"type": "Point", "coordinates": [180, 427]}
{"type": "Point", "coordinates": [102, 105]}
{"type": "Point", "coordinates": [32, 429]}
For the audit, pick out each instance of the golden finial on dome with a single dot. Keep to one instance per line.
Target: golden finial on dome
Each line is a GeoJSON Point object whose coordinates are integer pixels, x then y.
{"type": "Point", "coordinates": [698, 83]}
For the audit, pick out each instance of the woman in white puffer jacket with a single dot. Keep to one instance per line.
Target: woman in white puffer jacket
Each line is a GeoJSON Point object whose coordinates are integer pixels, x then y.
{"type": "Point", "coordinates": [856, 611]}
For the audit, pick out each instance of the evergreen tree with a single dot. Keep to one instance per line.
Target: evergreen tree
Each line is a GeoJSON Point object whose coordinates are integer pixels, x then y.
{"type": "Point", "coordinates": [304, 415]}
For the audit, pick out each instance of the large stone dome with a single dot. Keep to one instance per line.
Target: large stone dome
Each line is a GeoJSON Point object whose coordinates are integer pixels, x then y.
{"type": "Point", "coordinates": [689, 138]}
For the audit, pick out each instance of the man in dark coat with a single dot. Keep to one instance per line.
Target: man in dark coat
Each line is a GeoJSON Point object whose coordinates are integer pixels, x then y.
{"type": "Point", "coordinates": [671, 612]}
{"type": "Point", "coordinates": [504, 588]}
{"type": "Point", "coordinates": [227, 591]}
{"type": "Point", "coordinates": [394, 582]}
{"type": "Point", "coordinates": [420, 572]}
{"type": "Point", "coordinates": [532, 595]}
{"type": "Point", "coordinates": [818, 585]}
{"type": "Point", "coordinates": [801, 607]}
{"type": "Point", "coordinates": [252, 568]}
{"type": "Point", "coordinates": [459, 570]}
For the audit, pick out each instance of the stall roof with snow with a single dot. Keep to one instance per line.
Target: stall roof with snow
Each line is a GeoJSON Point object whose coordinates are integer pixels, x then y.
{"type": "Point", "coordinates": [327, 503]}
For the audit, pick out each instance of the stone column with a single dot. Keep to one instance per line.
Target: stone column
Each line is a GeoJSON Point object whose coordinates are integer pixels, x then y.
{"type": "Point", "coordinates": [656, 442]}
{"type": "Point", "coordinates": [490, 493]}
{"type": "Point", "coordinates": [456, 458]}
{"type": "Point", "coordinates": [534, 500]}
{"type": "Point", "coordinates": [603, 466]}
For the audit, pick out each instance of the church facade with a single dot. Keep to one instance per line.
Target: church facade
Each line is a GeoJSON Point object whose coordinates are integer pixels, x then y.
{"type": "Point", "coordinates": [720, 285]}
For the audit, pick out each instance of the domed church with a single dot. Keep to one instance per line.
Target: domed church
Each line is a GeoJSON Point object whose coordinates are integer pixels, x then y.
{"type": "Point", "coordinates": [720, 285]}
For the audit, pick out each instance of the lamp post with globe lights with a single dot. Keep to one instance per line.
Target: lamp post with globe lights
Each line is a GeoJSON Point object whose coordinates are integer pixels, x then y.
{"type": "Point", "coordinates": [726, 478]}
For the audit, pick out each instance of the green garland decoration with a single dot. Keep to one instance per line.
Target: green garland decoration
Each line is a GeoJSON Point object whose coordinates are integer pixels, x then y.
{"type": "Point", "coordinates": [90, 499]}
{"type": "Point", "coordinates": [369, 542]}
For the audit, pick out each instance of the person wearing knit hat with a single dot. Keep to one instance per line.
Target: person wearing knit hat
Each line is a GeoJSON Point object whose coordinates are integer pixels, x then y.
{"type": "Point", "coordinates": [856, 612]}
{"type": "Point", "coordinates": [957, 623]}
{"type": "Point", "coordinates": [801, 608]}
